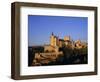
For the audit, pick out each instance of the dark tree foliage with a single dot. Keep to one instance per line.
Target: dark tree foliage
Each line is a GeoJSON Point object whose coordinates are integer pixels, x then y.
{"type": "Point", "coordinates": [74, 56]}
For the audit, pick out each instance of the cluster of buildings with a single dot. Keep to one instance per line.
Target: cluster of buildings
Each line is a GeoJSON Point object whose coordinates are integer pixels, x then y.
{"type": "Point", "coordinates": [56, 43]}
{"type": "Point", "coordinates": [51, 51]}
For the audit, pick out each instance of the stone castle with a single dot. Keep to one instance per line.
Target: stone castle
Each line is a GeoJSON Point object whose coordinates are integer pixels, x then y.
{"type": "Point", "coordinates": [56, 43]}
{"type": "Point", "coordinates": [51, 51]}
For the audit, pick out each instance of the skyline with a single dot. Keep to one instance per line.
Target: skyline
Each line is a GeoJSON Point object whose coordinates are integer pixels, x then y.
{"type": "Point", "coordinates": [40, 28]}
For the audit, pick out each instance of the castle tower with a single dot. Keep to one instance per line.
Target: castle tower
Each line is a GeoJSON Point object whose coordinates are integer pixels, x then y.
{"type": "Point", "coordinates": [53, 40]}
{"type": "Point", "coordinates": [67, 38]}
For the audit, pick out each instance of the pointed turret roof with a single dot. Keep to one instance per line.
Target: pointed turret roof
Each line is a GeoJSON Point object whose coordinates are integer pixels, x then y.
{"type": "Point", "coordinates": [52, 33]}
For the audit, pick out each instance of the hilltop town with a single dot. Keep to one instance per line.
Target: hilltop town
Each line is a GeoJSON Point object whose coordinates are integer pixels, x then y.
{"type": "Point", "coordinates": [59, 51]}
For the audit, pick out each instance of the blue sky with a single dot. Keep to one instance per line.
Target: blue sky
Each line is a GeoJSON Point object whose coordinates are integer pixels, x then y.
{"type": "Point", "coordinates": [40, 28]}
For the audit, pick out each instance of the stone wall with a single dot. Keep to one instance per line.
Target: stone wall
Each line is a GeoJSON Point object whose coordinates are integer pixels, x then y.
{"type": "Point", "coordinates": [45, 58]}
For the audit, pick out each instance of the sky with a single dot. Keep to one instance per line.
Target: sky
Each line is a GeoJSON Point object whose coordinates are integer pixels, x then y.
{"type": "Point", "coordinates": [40, 27]}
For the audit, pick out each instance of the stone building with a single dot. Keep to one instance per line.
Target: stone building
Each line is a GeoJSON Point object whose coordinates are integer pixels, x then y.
{"type": "Point", "coordinates": [51, 51]}
{"type": "Point", "coordinates": [49, 48]}
{"type": "Point", "coordinates": [56, 41]}
{"type": "Point", "coordinates": [79, 44]}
